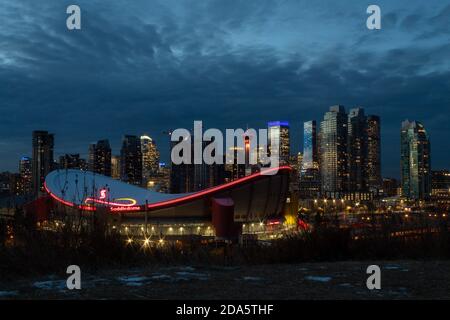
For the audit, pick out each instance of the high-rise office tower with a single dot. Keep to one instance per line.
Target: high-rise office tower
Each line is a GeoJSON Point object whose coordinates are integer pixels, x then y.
{"type": "Point", "coordinates": [208, 175]}
{"type": "Point", "coordinates": [415, 162]}
{"type": "Point", "coordinates": [333, 150]}
{"type": "Point", "coordinates": [181, 178]}
{"type": "Point", "coordinates": [235, 169]}
{"type": "Point", "coordinates": [279, 130]}
{"type": "Point", "coordinates": [201, 177]}
{"type": "Point", "coordinates": [181, 175]}
{"type": "Point", "coordinates": [309, 186]}
{"type": "Point", "coordinates": [357, 150]}
{"type": "Point", "coordinates": [374, 179]}
{"type": "Point", "coordinates": [150, 158]}
{"type": "Point", "coordinates": [216, 174]}
{"type": "Point", "coordinates": [42, 160]}
{"type": "Point", "coordinates": [201, 173]}
{"type": "Point", "coordinates": [25, 171]}
{"type": "Point", "coordinates": [310, 152]}
{"type": "Point", "coordinates": [72, 161]}
{"type": "Point", "coordinates": [295, 162]}
{"type": "Point", "coordinates": [440, 186]}
{"type": "Point", "coordinates": [161, 180]}
{"type": "Point", "coordinates": [390, 187]}
{"type": "Point", "coordinates": [115, 167]}
{"type": "Point", "coordinates": [100, 158]}
{"type": "Point", "coordinates": [131, 160]}
{"type": "Point", "coordinates": [189, 177]}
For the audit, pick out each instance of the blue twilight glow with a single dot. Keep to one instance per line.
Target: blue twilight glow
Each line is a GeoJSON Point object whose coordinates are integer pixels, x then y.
{"type": "Point", "coordinates": [278, 124]}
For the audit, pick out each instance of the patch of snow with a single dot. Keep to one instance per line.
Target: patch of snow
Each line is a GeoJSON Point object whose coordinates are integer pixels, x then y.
{"type": "Point", "coordinates": [318, 278]}
{"type": "Point", "coordinates": [392, 267]}
{"type": "Point", "coordinates": [303, 269]}
{"type": "Point", "coordinates": [132, 278]}
{"type": "Point", "coordinates": [161, 277]}
{"type": "Point", "coordinates": [252, 278]}
{"type": "Point", "coordinates": [95, 280]}
{"type": "Point", "coordinates": [50, 285]}
{"type": "Point", "coordinates": [134, 284]}
{"type": "Point", "coordinates": [132, 281]}
{"type": "Point", "coordinates": [345, 285]}
{"type": "Point", "coordinates": [8, 293]}
{"type": "Point", "coordinates": [183, 275]}
{"type": "Point", "coordinates": [187, 268]}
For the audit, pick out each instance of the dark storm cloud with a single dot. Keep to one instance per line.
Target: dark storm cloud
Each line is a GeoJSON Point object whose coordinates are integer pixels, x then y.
{"type": "Point", "coordinates": [148, 66]}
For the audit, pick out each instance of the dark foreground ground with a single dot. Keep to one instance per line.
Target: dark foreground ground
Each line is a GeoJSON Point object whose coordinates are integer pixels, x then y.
{"type": "Point", "coordinates": [339, 280]}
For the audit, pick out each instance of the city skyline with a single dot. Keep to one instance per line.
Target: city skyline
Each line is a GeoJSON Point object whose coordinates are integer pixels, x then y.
{"type": "Point", "coordinates": [342, 160]}
{"type": "Point", "coordinates": [281, 60]}
{"type": "Point", "coordinates": [88, 157]}
{"type": "Point", "coordinates": [243, 155]}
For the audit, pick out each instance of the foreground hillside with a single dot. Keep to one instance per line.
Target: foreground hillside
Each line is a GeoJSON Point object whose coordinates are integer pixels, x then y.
{"type": "Point", "coordinates": [339, 280]}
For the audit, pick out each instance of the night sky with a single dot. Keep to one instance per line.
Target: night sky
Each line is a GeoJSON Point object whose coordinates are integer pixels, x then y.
{"type": "Point", "coordinates": [148, 66]}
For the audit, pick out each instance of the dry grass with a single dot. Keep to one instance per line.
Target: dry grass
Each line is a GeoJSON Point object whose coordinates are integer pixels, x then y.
{"type": "Point", "coordinates": [37, 252]}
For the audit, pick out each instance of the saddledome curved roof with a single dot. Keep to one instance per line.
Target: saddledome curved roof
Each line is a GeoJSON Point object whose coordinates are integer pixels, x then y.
{"type": "Point", "coordinates": [85, 189]}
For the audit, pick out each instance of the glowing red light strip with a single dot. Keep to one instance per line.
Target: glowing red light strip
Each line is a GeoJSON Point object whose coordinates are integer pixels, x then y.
{"type": "Point", "coordinates": [225, 186]}
{"type": "Point", "coordinates": [67, 203]}
{"type": "Point", "coordinates": [88, 208]}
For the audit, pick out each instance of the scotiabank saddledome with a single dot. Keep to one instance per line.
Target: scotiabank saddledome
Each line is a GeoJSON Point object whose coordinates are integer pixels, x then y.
{"type": "Point", "coordinates": [255, 197]}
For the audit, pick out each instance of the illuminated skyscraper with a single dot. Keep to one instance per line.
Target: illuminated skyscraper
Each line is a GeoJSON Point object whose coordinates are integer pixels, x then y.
{"type": "Point", "coordinates": [279, 130]}
{"type": "Point", "coordinates": [333, 151]}
{"type": "Point", "coordinates": [42, 162]}
{"type": "Point", "coordinates": [309, 186]}
{"type": "Point", "coordinates": [357, 150]}
{"type": "Point", "coordinates": [72, 161]}
{"type": "Point", "coordinates": [190, 177]}
{"type": "Point", "coordinates": [236, 170]}
{"type": "Point", "coordinates": [440, 186]}
{"type": "Point", "coordinates": [25, 169]}
{"type": "Point", "coordinates": [390, 187]}
{"type": "Point", "coordinates": [310, 152]}
{"type": "Point", "coordinates": [415, 162]}
{"type": "Point", "coordinates": [131, 160]}
{"type": "Point", "coordinates": [115, 167]}
{"type": "Point", "coordinates": [374, 179]}
{"type": "Point", "coordinates": [150, 158]}
{"type": "Point", "coordinates": [296, 162]}
{"type": "Point", "coordinates": [207, 175]}
{"type": "Point", "coordinates": [181, 175]}
{"type": "Point", "coordinates": [161, 181]}
{"type": "Point", "coordinates": [100, 158]}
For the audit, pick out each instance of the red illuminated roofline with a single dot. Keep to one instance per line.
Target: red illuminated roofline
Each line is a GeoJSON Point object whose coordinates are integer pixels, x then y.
{"type": "Point", "coordinates": [209, 191]}
{"type": "Point", "coordinates": [67, 203]}
{"type": "Point", "coordinates": [188, 198]}
{"type": "Point", "coordinates": [54, 196]}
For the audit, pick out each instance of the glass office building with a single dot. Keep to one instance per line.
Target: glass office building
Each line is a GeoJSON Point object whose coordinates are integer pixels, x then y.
{"type": "Point", "coordinates": [415, 160]}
